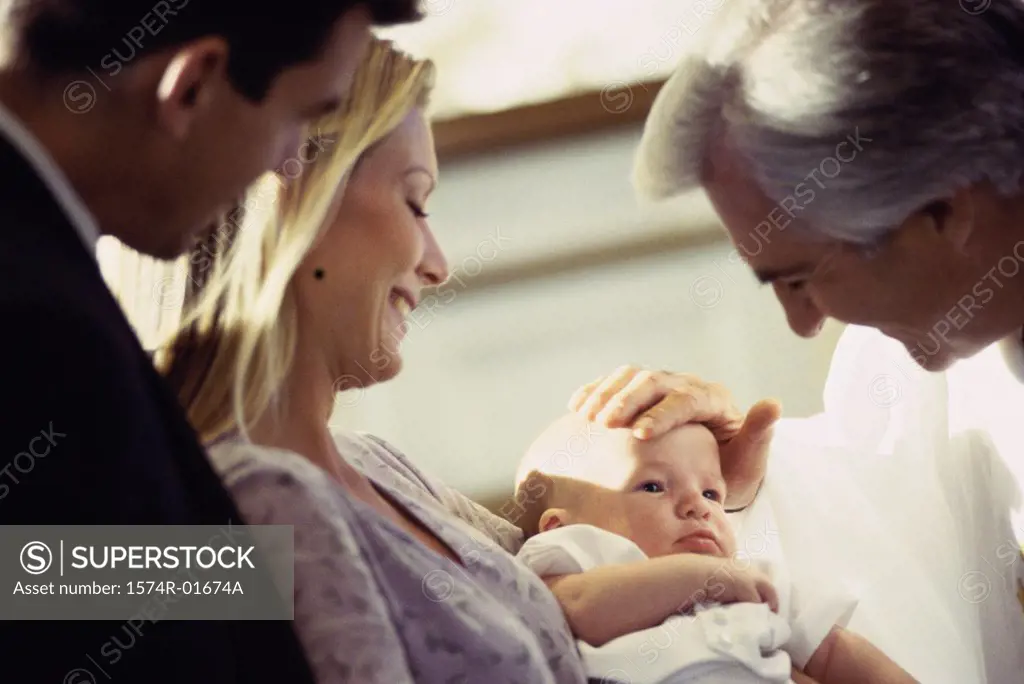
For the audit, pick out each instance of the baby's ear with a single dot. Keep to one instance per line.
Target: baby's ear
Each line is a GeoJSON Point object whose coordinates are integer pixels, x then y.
{"type": "Point", "coordinates": [552, 519]}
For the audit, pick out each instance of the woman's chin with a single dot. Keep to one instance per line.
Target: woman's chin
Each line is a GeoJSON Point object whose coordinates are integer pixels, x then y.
{"type": "Point", "coordinates": [385, 361]}
{"type": "Point", "coordinates": [392, 370]}
{"type": "Point", "coordinates": [383, 365]}
{"type": "Point", "coordinates": [365, 371]}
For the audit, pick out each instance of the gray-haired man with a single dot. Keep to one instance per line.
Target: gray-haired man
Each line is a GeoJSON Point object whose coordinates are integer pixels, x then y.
{"type": "Point", "coordinates": [866, 159]}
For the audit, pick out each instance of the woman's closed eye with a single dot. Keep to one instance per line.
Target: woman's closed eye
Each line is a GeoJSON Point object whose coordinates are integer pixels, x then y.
{"type": "Point", "coordinates": [417, 210]}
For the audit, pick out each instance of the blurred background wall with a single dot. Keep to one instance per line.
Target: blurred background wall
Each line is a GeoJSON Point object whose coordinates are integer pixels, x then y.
{"type": "Point", "coordinates": [558, 274]}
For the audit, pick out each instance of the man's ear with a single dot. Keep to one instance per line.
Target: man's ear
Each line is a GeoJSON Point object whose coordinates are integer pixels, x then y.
{"type": "Point", "coordinates": [552, 519]}
{"type": "Point", "coordinates": [190, 83]}
{"type": "Point", "coordinates": [954, 217]}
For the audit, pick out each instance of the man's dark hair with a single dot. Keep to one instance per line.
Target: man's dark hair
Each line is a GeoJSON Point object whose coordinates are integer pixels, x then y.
{"type": "Point", "coordinates": [70, 36]}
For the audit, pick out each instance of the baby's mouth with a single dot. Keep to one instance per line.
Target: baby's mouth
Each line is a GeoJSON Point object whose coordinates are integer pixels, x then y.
{"type": "Point", "coordinates": [701, 542]}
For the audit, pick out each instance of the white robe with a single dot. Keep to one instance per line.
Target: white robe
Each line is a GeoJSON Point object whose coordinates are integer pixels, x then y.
{"type": "Point", "coordinates": [907, 488]}
{"type": "Point", "coordinates": [734, 643]}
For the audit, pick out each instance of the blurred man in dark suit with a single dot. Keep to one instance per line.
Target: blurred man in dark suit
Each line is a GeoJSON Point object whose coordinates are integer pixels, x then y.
{"type": "Point", "coordinates": [139, 120]}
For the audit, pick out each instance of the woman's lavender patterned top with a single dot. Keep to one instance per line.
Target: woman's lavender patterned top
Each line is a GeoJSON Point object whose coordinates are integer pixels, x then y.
{"type": "Point", "coordinates": [372, 604]}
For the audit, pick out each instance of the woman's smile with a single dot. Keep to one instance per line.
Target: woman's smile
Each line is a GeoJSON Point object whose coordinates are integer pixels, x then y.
{"type": "Point", "coordinates": [400, 306]}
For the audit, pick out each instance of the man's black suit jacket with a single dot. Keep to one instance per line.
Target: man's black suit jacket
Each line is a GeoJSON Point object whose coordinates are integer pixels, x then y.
{"type": "Point", "coordinates": [118, 450]}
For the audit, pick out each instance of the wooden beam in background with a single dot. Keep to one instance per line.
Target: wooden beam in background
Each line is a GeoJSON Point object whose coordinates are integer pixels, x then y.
{"type": "Point", "coordinates": [618, 104]}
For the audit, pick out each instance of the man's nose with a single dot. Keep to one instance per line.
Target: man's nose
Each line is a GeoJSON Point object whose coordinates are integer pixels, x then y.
{"type": "Point", "coordinates": [803, 315]}
{"type": "Point", "coordinates": [288, 148]}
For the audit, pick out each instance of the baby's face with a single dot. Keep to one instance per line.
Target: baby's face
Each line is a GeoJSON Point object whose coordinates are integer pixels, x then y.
{"type": "Point", "coordinates": [667, 495]}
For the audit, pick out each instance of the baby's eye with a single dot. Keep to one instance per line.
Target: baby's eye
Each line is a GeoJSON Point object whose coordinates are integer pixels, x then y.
{"type": "Point", "coordinates": [712, 494]}
{"type": "Point", "coordinates": [651, 488]}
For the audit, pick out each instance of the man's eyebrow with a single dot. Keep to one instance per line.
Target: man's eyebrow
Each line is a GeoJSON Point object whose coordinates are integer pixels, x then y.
{"type": "Point", "coordinates": [769, 275]}
{"type": "Point", "coordinates": [324, 108]}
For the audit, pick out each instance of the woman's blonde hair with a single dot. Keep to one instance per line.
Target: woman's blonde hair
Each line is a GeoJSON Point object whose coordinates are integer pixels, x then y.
{"type": "Point", "coordinates": [235, 346]}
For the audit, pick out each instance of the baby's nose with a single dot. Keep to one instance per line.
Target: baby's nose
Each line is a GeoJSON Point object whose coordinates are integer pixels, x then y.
{"type": "Point", "coordinates": [695, 507]}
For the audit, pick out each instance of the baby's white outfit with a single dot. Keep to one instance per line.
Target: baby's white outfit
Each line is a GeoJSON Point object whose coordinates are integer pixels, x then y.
{"type": "Point", "coordinates": [742, 642]}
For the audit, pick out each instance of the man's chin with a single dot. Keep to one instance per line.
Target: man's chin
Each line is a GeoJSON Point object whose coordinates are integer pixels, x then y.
{"type": "Point", "coordinates": [164, 248]}
{"type": "Point", "coordinates": [933, 363]}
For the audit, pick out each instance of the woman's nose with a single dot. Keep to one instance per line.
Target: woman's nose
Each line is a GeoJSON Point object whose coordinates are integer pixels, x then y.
{"type": "Point", "coordinates": [805, 318]}
{"type": "Point", "coordinates": [433, 268]}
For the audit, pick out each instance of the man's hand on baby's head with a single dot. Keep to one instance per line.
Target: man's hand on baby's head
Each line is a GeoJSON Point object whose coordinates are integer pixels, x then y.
{"type": "Point", "coordinates": [652, 403]}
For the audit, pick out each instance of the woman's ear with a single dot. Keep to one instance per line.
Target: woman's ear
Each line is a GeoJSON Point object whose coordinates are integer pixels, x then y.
{"type": "Point", "coordinates": [552, 519]}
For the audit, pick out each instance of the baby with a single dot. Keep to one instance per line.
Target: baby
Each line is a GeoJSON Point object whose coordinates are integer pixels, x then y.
{"type": "Point", "coordinates": [632, 535]}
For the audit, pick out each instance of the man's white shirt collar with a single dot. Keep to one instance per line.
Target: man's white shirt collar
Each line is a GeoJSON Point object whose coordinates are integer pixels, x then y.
{"type": "Point", "coordinates": [80, 217]}
{"type": "Point", "coordinates": [1012, 348]}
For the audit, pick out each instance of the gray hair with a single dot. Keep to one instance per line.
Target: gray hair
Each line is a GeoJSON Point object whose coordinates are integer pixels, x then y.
{"type": "Point", "coordinates": [930, 93]}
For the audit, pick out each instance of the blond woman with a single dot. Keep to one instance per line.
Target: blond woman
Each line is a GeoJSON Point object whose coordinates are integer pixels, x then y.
{"type": "Point", "coordinates": [397, 577]}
